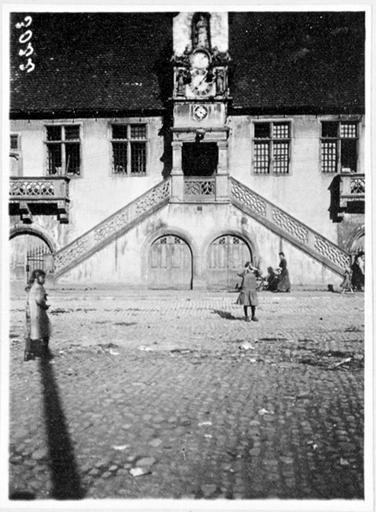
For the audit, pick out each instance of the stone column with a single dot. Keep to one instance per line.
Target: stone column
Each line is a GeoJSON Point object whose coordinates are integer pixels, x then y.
{"type": "Point", "coordinates": [221, 178]}
{"type": "Point", "coordinates": [177, 176]}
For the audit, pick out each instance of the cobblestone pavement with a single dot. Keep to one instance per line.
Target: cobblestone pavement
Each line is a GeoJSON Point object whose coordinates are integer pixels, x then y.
{"type": "Point", "coordinates": [177, 388]}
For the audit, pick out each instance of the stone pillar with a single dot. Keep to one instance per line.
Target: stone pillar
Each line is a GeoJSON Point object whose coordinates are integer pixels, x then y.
{"type": "Point", "coordinates": [222, 157]}
{"type": "Point", "coordinates": [221, 178]}
{"type": "Point", "coordinates": [177, 176]}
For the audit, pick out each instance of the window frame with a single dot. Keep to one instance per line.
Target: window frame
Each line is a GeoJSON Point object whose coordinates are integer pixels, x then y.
{"type": "Point", "coordinates": [18, 148]}
{"type": "Point", "coordinates": [16, 153]}
{"type": "Point", "coordinates": [128, 141]}
{"type": "Point", "coordinates": [338, 140]}
{"type": "Point", "coordinates": [63, 141]}
{"type": "Point", "coordinates": [271, 140]}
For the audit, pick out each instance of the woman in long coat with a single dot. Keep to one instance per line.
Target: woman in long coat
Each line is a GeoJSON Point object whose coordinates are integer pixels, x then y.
{"type": "Point", "coordinates": [284, 284]}
{"type": "Point", "coordinates": [248, 294]}
{"type": "Point", "coordinates": [37, 322]}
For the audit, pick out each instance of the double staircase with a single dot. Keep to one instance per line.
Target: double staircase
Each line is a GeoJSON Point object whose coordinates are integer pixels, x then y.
{"type": "Point", "coordinates": [242, 197]}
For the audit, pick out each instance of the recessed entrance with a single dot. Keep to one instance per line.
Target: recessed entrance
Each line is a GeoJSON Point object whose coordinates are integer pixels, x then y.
{"type": "Point", "coordinates": [199, 158]}
{"type": "Point", "coordinates": [226, 258]}
{"type": "Point", "coordinates": [170, 264]}
{"type": "Point", "coordinates": [27, 253]}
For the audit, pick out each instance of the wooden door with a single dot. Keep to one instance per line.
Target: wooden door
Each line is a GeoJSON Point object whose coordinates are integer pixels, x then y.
{"type": "Point", "coordinates": [226, 258]}
{"type": "Point", "coordinates": [170, 264]}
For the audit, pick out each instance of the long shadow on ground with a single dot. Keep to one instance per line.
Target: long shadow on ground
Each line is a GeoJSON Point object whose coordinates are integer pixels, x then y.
{"type": "Point", "coordinates": [64, 473]}
{"type": "Point", "coordinates": [225, 314]}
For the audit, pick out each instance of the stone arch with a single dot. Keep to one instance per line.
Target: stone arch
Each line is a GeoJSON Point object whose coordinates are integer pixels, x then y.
{"type": "Point", "coordinates": [356, 240]}
{"type": "Point", "coordinates": [38, 232]}
{"type": "Point", "coordinates": [178, 266]}
{"type": "Point", "coordinates": [225, 253]}
{"type": "Point", "coordinates": [213, 235]}
{"type": "Point", "coordinates": [30, 248]}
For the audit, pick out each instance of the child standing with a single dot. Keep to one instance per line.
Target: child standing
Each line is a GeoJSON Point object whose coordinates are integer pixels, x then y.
{"type": "Point", "coordinates": [346, 284]}
{"type": "Point", "coordinates": [248, 292]}
{"type": "Point", "coordinates": [37, 322]}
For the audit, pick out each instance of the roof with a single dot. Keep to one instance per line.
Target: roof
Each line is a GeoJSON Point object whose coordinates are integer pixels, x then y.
{"type": "Point", "coordinates": [92, 62]}
{"type": "Point", "coordinates": [310, 62]}
{"type": "Point", "coordinates": [97, 63]}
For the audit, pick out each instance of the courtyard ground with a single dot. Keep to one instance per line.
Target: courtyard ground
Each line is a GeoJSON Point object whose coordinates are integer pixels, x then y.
{"type": "Point", "coordinates": [155, 394]}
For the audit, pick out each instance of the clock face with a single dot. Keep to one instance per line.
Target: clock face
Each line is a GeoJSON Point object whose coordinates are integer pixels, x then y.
{"type": "Point", "coordinates": [200, 85]}
{"type": "Point", "coordinates": [200, 60]}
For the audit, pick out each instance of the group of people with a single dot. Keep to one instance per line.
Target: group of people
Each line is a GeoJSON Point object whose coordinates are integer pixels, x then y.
{"type": "Point", "coordinates": [276, 281]}
{"type": "Point", "coordinates": [353, 278]}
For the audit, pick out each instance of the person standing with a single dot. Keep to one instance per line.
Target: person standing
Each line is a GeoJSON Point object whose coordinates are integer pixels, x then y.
{"type": "Point", "coordinates": [284, 284]}
{"type": "Point", "coordinates": [357, 268]}
{"type": "Point", "coordinates": [37, 321]}
{"type": "Point", "coordinates": [346, 283]}
{"type": "Point", "coordinates": [248, 292]}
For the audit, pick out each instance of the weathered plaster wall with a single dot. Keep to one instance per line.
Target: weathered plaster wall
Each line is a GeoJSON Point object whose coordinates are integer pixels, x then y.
{"type": "Point", "coordinates": [304, 192]}
{"type": "Point", "coordinates": [97, 192]}
{"type": "Point", "coordinates": [125, 261]}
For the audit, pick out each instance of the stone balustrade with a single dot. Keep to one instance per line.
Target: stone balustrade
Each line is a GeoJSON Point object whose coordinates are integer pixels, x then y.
{"type": "Point", "coordinates": [352, 189]}
{"type": "Point", "coordinates": [39, 195]}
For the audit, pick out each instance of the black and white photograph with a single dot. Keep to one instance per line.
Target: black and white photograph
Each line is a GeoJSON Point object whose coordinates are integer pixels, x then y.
{"type": "Point", "coordinates": [187, 303]}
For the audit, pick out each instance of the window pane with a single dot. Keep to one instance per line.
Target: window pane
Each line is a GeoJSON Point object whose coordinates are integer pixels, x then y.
{"type": "Point", "coordinates": [72, 132]}
{"type": "Point", "coordinates": [138, 131]}
{"type": "Point", "coordinates": [281, 157]}
{"type": "Point", "coordinates": [348, 130]}
{"type": "Point", "coordinates": [262, 157]}
{"type": "Point", "coordinates": [329, 129]}
{"type": "Point", "coordinates": [262, 130]}
{"type": "Point", "coordinates": [329, 156]}
{"type": "Point", "coordinates": [119, 152]}
{"type": "Point", "coordinates": [119, 131]}
{"type": "Point", "coordinates": [14, 142]}
{"type": "Point", "coordinates": [281, 130]}
{"type": "Point", "coordinates": [54, 158]}
{"type": "Point", "coordinates": [348, 155]}
{"type": "Point", "coordinates": [72, 158]}
{"type": "Point", "coordinates": [53, 132]}
{"type": "Point", "coordinates": [138, 158]}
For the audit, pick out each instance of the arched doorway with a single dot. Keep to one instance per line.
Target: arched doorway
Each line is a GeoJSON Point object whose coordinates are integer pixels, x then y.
{"type": "Point", "coordinates": [170, 264]}
{"type": "Point", "coordinates": [357, 244]}
{"type": "Point", "coordinates": [28, 252]}
{"type": "Point", "coordinates": [226, 257]}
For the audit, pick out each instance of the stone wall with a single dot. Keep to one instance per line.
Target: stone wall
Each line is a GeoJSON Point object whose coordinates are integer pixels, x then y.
{"type": "Point", "coordinates": [96, 193]}
{"type": "Point", "coordinates": [125, 261]}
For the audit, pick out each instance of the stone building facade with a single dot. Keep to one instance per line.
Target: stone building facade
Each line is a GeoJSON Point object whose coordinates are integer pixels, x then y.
{"type": "Point", "coordinates": [170, 148]}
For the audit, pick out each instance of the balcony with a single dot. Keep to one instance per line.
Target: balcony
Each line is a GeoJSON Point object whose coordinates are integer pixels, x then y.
{"type": "Point", "coordinates": [39, 196]}
{"type": "Point", "coordinates": [352, 193]}
{"type": "Point", "coordinates": [199, 189]}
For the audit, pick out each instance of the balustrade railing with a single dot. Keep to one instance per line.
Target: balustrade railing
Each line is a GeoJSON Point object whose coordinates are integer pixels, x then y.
{"type": "Point", "coordinates": [352, 188]}
{"type": "Point", "coordinates": [39, 188]}
{"type": "Point", "coordinates": [112, 227]}
{"type": "Point", "coordinates": [288, 227]}
{"type": "Point", "coordinates": [267, 213]}
{"type": "Point", "coordinates": [199, 189]}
